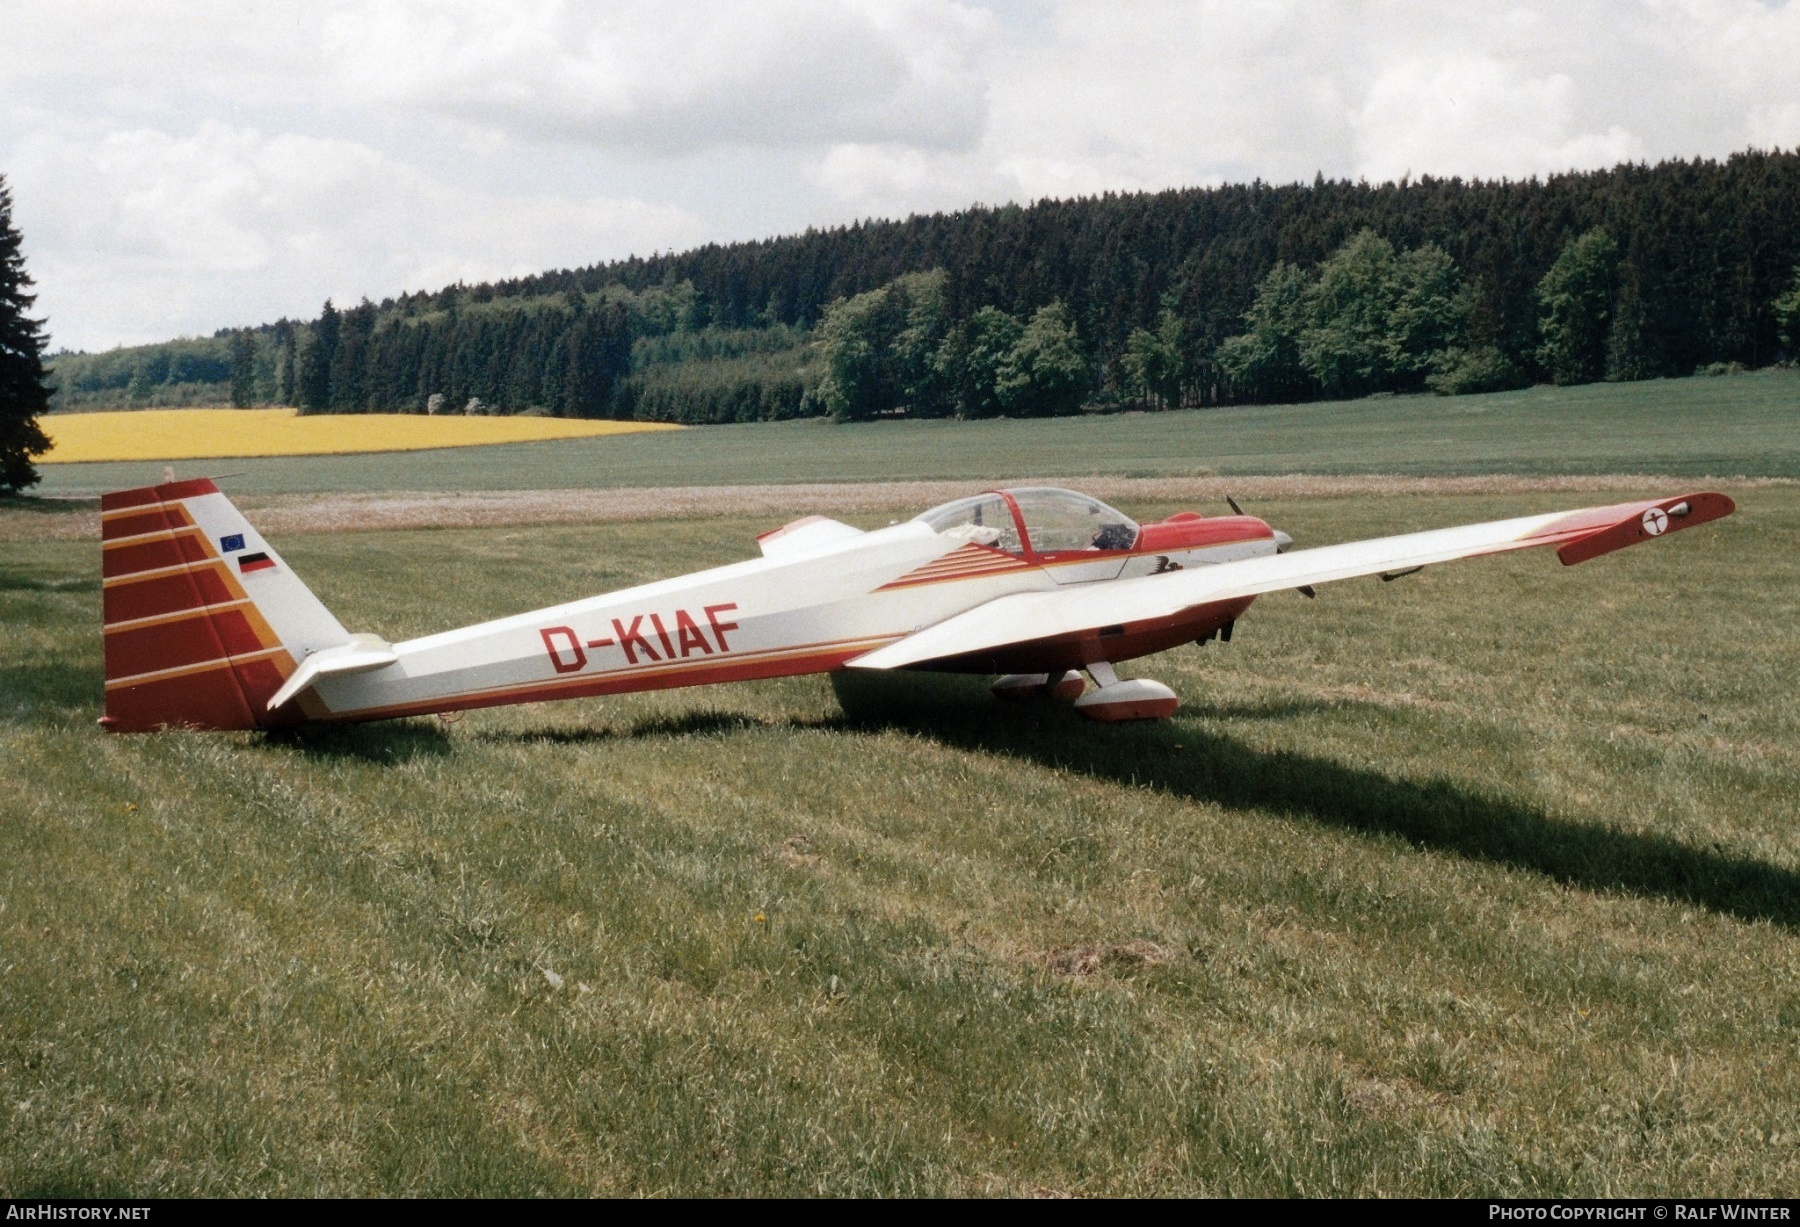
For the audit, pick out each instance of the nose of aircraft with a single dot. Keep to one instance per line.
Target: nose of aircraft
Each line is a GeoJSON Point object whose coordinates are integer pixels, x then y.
{"type": "Point", "coordinates": [1282, 541]}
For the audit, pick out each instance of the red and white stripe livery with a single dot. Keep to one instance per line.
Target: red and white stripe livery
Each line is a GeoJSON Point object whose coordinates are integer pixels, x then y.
{"type": "Point", "coordinates": [207, 627]}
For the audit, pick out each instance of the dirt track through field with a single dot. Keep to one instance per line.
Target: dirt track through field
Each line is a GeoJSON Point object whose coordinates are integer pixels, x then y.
{"type": "Point", "coordinates": [333, 513]}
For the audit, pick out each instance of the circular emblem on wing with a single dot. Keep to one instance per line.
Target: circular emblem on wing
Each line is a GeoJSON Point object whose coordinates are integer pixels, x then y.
{"type": "Point", "coordinates": [1655, 520]}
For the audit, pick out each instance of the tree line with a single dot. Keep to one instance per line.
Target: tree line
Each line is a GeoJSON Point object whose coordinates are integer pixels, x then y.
{"type": "Point", "coordinates": [1704, 249]}
{"type": "Point", "coordinates": [1181, 298]}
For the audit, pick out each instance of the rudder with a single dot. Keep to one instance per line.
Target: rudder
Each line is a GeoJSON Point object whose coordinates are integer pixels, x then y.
{"type": "Point", "coordinates": [203, 620]}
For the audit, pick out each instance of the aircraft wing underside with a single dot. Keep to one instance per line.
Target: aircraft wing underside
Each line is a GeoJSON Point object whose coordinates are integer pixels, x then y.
{"type": "Point", "coordinates": [1025, 617]}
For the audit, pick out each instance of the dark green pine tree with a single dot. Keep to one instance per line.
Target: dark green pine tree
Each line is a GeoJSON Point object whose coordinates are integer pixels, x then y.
{"type": "Point", "coordinates": [285, 340]}
{"type": "Point", "coordinates": [349, 359]}
{"type": "Point", "coordinates": [314, 391]}
{"type": "Point", "coordinates": [242, 350]}
{"type": "Point", "coordinates": [23, 393]}
{"type": "Point", "coordinates": [597, 351]}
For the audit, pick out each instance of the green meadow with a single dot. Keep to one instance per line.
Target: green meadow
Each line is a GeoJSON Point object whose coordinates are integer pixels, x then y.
{"type": "Point", "coordinates": [1482, 882]}
{"type": "Point", "coordinates": [1745, 425]}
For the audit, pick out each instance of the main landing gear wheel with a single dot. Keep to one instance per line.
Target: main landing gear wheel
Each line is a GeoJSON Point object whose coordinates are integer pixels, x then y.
{"type": "Point", "coordinates": [1023, 687]}
{"type": "Point", "coordinates": [1138, 699]}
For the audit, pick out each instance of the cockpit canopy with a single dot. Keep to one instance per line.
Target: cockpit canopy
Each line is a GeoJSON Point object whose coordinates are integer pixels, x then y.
{"type": "Point", "coordinates": [1036, 520]}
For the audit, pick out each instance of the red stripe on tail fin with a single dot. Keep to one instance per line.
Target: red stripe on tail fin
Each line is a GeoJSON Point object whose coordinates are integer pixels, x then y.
{"type": "Point", "coordinates": [168, 492]}
{"type": "Point", "coordinates": [132, 599]}
{"type": "Point", "coordinates": [121, 524]}
{"type": "Point", "coordinates": [186, 647]}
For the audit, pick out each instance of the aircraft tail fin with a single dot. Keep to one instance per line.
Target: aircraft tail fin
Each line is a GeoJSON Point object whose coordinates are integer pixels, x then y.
{"type": "Point", "coordinates": [204, 621]}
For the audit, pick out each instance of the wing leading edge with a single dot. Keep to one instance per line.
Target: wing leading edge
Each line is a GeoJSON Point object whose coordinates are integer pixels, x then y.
{"type": "Point", "coordinates": [1023, 617]}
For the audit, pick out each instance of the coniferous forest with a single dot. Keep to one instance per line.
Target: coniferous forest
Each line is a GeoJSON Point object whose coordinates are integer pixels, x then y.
{"type": "Point", "coordinates": [1180, 298]}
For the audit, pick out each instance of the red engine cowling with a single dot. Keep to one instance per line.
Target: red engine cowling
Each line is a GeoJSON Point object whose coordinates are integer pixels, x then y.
{"type": "Point", "coordinates": [1186, 530]}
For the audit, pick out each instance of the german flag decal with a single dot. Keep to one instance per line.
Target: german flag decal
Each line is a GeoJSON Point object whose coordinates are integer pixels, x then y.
{"type": "Point", "coordinates": [255, 562]}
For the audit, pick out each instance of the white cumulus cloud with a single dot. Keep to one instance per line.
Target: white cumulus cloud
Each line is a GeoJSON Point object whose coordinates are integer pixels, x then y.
{"type": "Point", "coordinates": [1457, 116]}
{"type": "Point", "coordinates": [143, 234]}
{"type": "Point", "coordinates": [676, 78]}
{"type": "Point", "coordinates": [200, 163]}
{"type": "Point", "coordinates": [1202, 91]}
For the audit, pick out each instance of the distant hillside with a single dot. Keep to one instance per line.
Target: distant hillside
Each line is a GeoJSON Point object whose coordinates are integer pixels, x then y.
{"type": "Point", "coordinates": [510, 355]}
{"type": "Point", "coordinates": [190, 372]}
{"type": "Point", "coordinates": [1700, 254]}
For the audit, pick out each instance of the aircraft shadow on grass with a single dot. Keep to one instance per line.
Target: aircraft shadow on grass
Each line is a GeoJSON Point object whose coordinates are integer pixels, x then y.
{"type": "Point", "coordinates": [386, 744]}
{"type": "Point", "coordinates": [699, 723]}
{"type": "Point", "coordinates": [390, 743]}
{"type": "Point", "coordinates": [1186, 761]}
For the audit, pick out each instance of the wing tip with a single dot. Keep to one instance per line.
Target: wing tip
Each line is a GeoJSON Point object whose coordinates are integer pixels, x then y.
{"type": "Point", "coordinates": [1640, 522]}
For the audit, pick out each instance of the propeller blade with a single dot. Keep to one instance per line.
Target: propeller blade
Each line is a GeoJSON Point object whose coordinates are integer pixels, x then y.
{"type": "Point", "coordinates": [1282, 540]}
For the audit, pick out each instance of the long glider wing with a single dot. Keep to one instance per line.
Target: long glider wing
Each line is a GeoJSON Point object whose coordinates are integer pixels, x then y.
{"type": "Point", "coordinates": [1027, 616]}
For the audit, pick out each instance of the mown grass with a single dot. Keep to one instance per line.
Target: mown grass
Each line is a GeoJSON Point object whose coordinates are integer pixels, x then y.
{"type": "Point", "coordinates": [1748, 425]}
{"type": "Point", "coordinates": [1484, 881]}
{"type": "Point", "coordinates": [187, 434]}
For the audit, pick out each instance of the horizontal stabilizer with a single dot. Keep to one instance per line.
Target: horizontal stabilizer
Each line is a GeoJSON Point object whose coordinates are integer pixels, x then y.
{"type": "Point", "coordinates": [362, 653]}
{"type": "Point", "coordinates": [807, 535]}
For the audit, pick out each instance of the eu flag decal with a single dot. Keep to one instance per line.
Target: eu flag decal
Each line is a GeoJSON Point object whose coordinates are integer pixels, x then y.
{"type": "Point", "coordinates": [255, 562]}
{"type": "Point", "coordinates": [232, 543]}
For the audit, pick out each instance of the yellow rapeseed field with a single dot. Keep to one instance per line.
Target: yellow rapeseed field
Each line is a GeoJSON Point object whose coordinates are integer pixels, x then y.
{"type": "Point", "coordinates": [194, 434]}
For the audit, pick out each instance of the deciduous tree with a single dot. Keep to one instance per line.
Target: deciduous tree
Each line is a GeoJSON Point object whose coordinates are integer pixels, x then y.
{"type": "Point", "coordinates": [1154, 360]}
{"type": "Point", "coordinates": [1264, 362]}
{"type": "Point", "coordinates": [1346, 344]}
{"type": "Point", "coordinates": [1787, 316]}
{"type": "Point", "coordinates": [1373, 321]}
{"type": "Point", "coordinates": [878, 348]}
{"type": "Point", "coordinates": [1575, 308]}
{"type": "Point", "coordinates": [973, 357]}
{"type": "Point", "coordinates": [856, 343]}
{"type": "Point", "coordinates": [1046, 373]}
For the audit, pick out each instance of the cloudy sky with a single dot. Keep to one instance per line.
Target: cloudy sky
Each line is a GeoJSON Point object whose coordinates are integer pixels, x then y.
{"type": "Point", "coordinates": [193, 164]}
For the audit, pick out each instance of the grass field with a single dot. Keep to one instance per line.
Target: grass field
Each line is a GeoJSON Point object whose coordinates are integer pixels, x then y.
{"type": "Point", "coordinates": [1748, 425]}
{"type": "Point", "coordinates": [1482, 882]}
{"type": "Point", "coordinates": [188, 434]}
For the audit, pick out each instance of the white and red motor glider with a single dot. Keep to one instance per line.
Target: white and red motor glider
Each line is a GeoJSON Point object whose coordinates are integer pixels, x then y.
{"type": "Point", "coordinates": [207, 627]}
